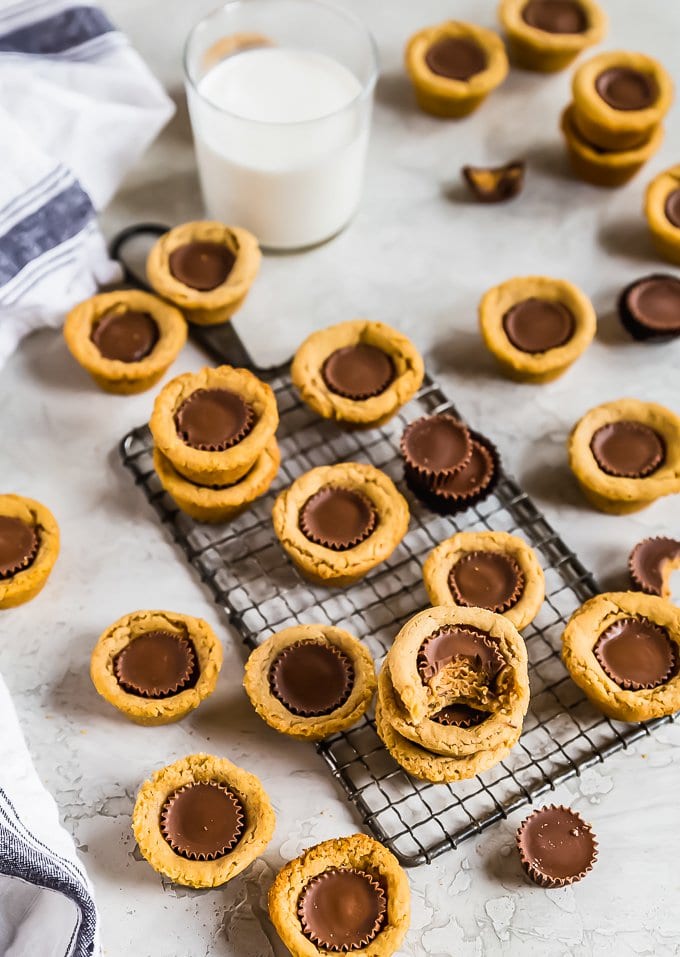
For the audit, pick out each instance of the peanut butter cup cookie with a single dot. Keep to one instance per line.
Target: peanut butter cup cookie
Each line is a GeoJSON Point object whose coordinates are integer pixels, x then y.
{"type": "Point", "coordinates": [492, 570]}
{"type": "Point", "coordinates": [357, 372]}
{"type": "Point", "coordinates": [454, 66]}
{"type": "Point", "coordinates": [622, 650]}
{"type": "Point", "coordinates": [213, 504]}
{"type": "Point", "coordinates": [310, 681]}
{"type": "Point", "coordinates": [126, 340]}
{"type": "Point", "coordinates": [662, 209]}
{"type": "Point", "coordinates": [337, 522]}
{"type": "Point", "coordinates": [625, 454]}
{"type": "Point", "coordinates": [547, 35]}
{"type": "Point", "coordinates": [213, 425]}
{"type": "Point", "coordinates": [202, 820]}
{"type": "Point", "coordinates": [347, 895]}
{"type": "Point", "coordinates": [29, 546]}
{"type": "Point", "coordinates": [156, 666]}
{"type": "Point", "coordinates": [204, 268]}
{"type": "Point", "coordinates": [536, 327]}
{"type": "Point", "coordinates": [651, 564]}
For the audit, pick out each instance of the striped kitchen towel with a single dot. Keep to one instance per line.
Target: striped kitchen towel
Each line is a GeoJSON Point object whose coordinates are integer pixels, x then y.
{"type": "Point", "coordinates": [46, 903]}
{"type": "Point", "coordinates": [78, 107]}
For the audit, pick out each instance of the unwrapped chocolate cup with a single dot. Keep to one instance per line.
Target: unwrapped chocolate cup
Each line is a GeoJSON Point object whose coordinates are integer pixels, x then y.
{"type": "Point", "coordinates": [556, 846]}
{"type": "Point", "coordinates": [451, 502]}
{"type": "Point", "coordinates": [651, 562]}
{"type": "Point", "coordinates": [435, 448]}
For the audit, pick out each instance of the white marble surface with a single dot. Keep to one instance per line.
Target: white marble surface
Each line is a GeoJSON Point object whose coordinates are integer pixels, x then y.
{"type": "Point", "coordinates": [419, 255]}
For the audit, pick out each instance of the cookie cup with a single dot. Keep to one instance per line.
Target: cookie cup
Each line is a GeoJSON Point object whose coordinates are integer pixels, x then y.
{"type": "Point", "coordinates": [614, 494]}
{"type": "Point", "coordinates": [606, 127]}
{"type": "Point", "coordinates": [446, 97]}
{"type": "Point", "coordinates": [665, 235]}
{"type": "Point", "coordinates": [357, 852]}
{"type": "Point", "coordinates": [198, 768]}
{"type": "Point", "coordinates": [544, 52]}
{"type": "Point", "coordinates": [112, 375]}
{"type": "Point", "coordinates": [441, 560]}
{"type": "Point", "coordinates": [27, 583]}
{"type": "Point", "coordinates": [274, 712]}
{"type": "Point", "coordinates": [155, 711]}
{"type": "Point", "coordinates": [215, 305]}
{"type": "Point", "coordinates": [579, 638]}
{"type": "Point", "coordinates": [214, 505]}
{"type": "Point", "coordinates": [307, 372]}
{"type": "Point", "coordinates": [326, 566]}
{"type": "Point", "coordinates": [541, 366]}
{"type": "Point", "coordinates": [205, 467]}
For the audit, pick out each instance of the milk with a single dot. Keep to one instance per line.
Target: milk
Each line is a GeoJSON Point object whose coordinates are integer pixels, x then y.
{"type": "Point", "coordinates": [281, 138]}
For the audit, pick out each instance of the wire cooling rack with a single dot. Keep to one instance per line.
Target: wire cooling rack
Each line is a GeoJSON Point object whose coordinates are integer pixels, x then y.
{"type": "Point", "coordinates": [250, 576]}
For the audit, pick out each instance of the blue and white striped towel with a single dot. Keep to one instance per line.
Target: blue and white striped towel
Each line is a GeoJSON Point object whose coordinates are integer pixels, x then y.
{"type": "Point", "coordinates": [78, 107]}
{"type": "Point", "coordinates": [46, 903]}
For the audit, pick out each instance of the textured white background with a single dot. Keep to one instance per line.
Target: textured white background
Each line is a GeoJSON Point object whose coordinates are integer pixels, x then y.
{"type": "Point", "coordinates": [419, 255]}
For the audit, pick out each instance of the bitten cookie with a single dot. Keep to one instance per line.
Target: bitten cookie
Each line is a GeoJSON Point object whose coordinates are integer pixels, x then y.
{"type": "Point", "coordinates": [341, 896]}
{"type": "Point", "coordinates": [29, 546]}
{"type": "Point", "coordinates": [310, 681]}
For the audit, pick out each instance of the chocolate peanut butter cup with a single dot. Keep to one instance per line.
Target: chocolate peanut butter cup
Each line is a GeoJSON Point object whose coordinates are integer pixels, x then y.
{"type": "Point", "coordinates": [214, 419]}
{"type": "Point", "coordinates": [627, 449]}
{"type": "Point", "coordinates": [626, 89]}
{"type": "Point", "coordinates": [556, 846]}
{"type": "Point", "coordinates": [202, 821]}
{"type": "Point", "coordinates": [671, 208]}
{"type": "Point", "coordinates": [201, 265]}
{"type": "Point", "coordinates": [342, 909]}
{"type": "Point", "coordinates": [649, 563]}
{"type": "Point", "coordinates": [157, 664]}
{"type": "Point", "coordinates": [473, 483]}
{"type": "Point", "coordinates": [338, 518]}
{"type": "Point", "coordinates": [360, 371]}
{"type": "Point", "coordinates": [456, 58]}
{"type": "Point", "coordinates": [495, 184]}
{"type": "Point", "coordinates": [489, 580]}
{"type": "Point", "coordinates": [636, 653]}
{"type": "Point", "coordinates": [536, 325]}
{"type": "Point", "coordinates": [555, 16]}
{"type": "Point", "coordinates": [459, 716]}
{"type": "Point", "coordinates": [125, 335]}
{"type": "Point", "coordinates": [455, 642]}
{"type": "Point", "coordinates": [19, 544]}
{"type": "Point", "coordinates": [311, 678]}
{"type": "Point", "coordinates": [435, 448]}
{"type": "Point", "coordinates": [649, 308]}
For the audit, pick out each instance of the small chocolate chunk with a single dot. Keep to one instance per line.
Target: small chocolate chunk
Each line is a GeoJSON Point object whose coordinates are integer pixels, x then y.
{"type": "Point", "coordinates": [627, 449]}
{"type": "Point", "coordinates": [342, 909]}
{"type": "Point", "coordinates": [459, 641]}
{"type": "Point", "coordinates": [126, 335]}
{"type": "Point", "coordinates": [436, 447]}
{"type": "Point", "coordinates": [649, 307]}
{"type": "Point", "coordinates": [495, 184]}
{"type": "Point", "coordinates": [626, 89]}
{"type": "Point", "coordinates": [214, 419]}
{"type": "Point", "coordinates": [19, 544]}
{"type": "Point", "coordinates": [338, 518]}
{"type": "Point", "coordinates": [537, 325]}
{"type": "Point", "coordinates": [311, 678]}
{"type": "Point", "coordinates": [651, 562]}
{"type": "Point", "coordinates": [636, 653]}
{"type": "Point", "coordinates": [672, 208]}
{"type": "Point", "coordinates": [456, 58]}
{"type": "Point", "coordinates": [490, 580]}
{"type": "Point", "coordinates": [201, 265]}
{"type": "Point", "coordinates": [157, 664]}
{"type": "Point", "coordinates": [203, 820]}
{"type": "Point", "coordinates": [555, 16]}
{"type": "Point", "coordinates": [358, 372]}
{"type": "Point", "coordinates": [556, 846]}
{"type": "Point", "coordinates": [460, 716]}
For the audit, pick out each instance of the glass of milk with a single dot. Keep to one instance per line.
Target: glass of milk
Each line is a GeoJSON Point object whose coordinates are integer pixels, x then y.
{"type": "Point", "coordinates": [280, 95]}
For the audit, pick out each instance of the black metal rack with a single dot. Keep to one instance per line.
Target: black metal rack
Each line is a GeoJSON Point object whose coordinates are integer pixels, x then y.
{"type": "Point", "coordinates": [250, 576]}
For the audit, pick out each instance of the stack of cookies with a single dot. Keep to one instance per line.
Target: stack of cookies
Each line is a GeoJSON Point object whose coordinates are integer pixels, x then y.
{"type": "Point", "coordinates": [452, 693]}
{"type": "Point", "coordinates": [614, 124]}
{"type": "Point", "coordinates": [214, 445]}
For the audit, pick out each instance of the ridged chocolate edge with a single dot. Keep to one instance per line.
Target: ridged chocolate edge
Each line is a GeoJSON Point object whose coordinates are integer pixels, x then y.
{"type": "Point", "coordinates": [632, 325]}
{"type": "Point", "coordinates": [470, 629]}
{"type": "Point", "coordinates": [366, 940]}
{"type": "Point", "coordinates": [628, 684]}
{"type": "Point", "coordinates": [429, 477]}
{"type": "Point", "coordinates": [520, 582]}
{"type": "Point", "coordinates": [347, 665]}
{"type": "Point", "coordinates": [324, 543]}
{"type": "Point", "coordinates": [246, 428]}
{"type": "Point", "coordinates": [190, 855]}
{"type": "Point", "coordinates": [636, 581]}
{"type": "Point", "coordinates": [179, 686]}
{"type": "Point", "coordinates": [537, 876]}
